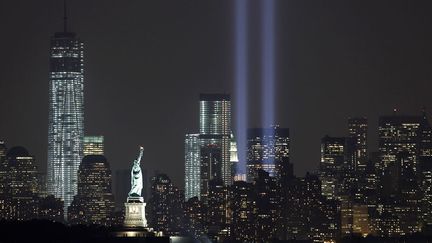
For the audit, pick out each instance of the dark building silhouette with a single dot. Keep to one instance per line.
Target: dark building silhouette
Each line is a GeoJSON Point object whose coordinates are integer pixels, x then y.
{"type": "Point", "coordinates": [166, 213]}
{"type": "Point", "coordinates": [268, 207]}
{"type": "Point", "coordinates": [51, 208]}
{"type": "Point", "coordinates": [195, 215]}
{"type": "Point", "coordinates": [358, 130]}
{"type": "Point", "coordinates": [242, 207]}
{"type": "Point", "coordinates": [217, 217]}
{"type": "Point", "coordinates": [94, 203]}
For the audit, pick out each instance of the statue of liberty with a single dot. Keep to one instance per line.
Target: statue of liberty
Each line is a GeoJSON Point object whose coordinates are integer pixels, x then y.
{"type": "Point", "coordinates": [136, 177]}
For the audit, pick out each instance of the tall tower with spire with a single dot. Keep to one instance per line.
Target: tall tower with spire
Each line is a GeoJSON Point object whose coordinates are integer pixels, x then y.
{"type": "Point", "coordinates": [66, 113]}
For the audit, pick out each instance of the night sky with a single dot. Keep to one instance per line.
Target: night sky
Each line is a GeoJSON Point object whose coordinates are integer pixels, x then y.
{"type": "Point", "coordinates": [147, 61]}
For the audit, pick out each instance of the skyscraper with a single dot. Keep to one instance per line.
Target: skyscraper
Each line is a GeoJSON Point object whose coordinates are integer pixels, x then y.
{"type": "Point", "coordinates": [336, 158]}
{"type": "Point", "coordinates": [398, 133]}
{"type": "Point", "coordinates": [192, 166]}
{"type": "Point", "coordinates": [357, 128]}
{"type": "Point", "coordinates": [66, 114]}
{"type": "Point", "coordinates": [22, 184]}
{"type": "Point", "coordinates": [94, 203]}
{"type": "Point", "coordinates": [166, 206]}
{"type": "Point", "coordinates": [215, 133]}
{"type": "Point", "coordinates": [268, 148]}
{"type": "Point", "coordinates": [93, 145]}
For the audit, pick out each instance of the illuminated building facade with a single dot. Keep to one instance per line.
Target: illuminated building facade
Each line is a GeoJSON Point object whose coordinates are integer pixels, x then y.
{"type": "Point", "coordinates": [66, 114]}
{"type": "Point", "coordinates": [234, 159]}
{"type": "Point", "coordinates": [217, 213]}
{"type": "Point", "coordinates": [357, 129]}
{"type": "Point", "coordinates": [94, 203]}
{"type": "Point", "coordinates": [215, 140]}
{"type": "Point", "coordinates": [93, 145]}
{"type": "Point", "coordinates": [399, 134]}
{"type": "Point", "coordinates": [22, 184]}
{"type": "Point", "coordinates": [192, 166]}
{"type": "Point", "coordinates": [242, 210]}
{"type": "Point", "coordinates": [336, 163]}
{"type": "Point", "coordinates": [268, 148]}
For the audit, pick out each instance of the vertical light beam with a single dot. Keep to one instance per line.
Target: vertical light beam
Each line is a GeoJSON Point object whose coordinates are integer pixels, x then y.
{"type": "Point", "coordinates": [268, 65]}
{"type": "Point", "coordinates": [241, 77]}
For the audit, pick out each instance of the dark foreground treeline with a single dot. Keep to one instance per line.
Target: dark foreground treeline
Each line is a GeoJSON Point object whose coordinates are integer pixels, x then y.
{"type": "Point", "coordinates": [47, 232]}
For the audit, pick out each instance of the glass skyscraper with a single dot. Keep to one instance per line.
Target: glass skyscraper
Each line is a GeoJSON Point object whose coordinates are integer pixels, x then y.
{"type": "Point", "coordinates": [66, 114]}
{"type": "Point", "coordinates": [215, 139]}
{"type": "Point", "coordinates": [192, 166]}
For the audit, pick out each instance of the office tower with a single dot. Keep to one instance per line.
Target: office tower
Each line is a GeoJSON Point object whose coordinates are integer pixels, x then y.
{"type": "Point", "coordinates": [192, 166]}
{"type": "Point", "coordinates": [22, 184]}
{"type": "Point", "coordinates": [357, 129]}
{"type": "Point", "coordinates": [195, 214]}
{"type": "Point", "coordinates": [268, 207]}
{"type": "Point", "coordinates": [94, 203]}
{"type": "Point", "coordinates": [66, 114]}
{"type": "Point", "coordinates": [216, 217]}
{"type": "Point", "coordinates": [268, 149]}
{"type": "Point", "coordinates": [165, 206]}
{"type": "Point", "coordinates": [361, 220]}
{"type": "Point", "coordinates": [400, 195]}
{"type": "Point", "coordinates": [93, 145]}
{"type": "Point", "coordinates": [241, 208]}
{"type": "Point", "coordinates": [215, 132]}
{"type": "Point", "coordinates": [398, 134]}
{"type": "Point", "coordinates": [336, 163]}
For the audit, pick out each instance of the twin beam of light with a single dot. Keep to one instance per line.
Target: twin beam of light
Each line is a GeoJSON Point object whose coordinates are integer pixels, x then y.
{"type": "Point", "coordinates": [268, 62]}
{"type": "Point", "coordinates": [241, 73]}
{"type": "Point", "coordinates": [268, 66]}
{"type": "Point", "coordinates": [241, 77]}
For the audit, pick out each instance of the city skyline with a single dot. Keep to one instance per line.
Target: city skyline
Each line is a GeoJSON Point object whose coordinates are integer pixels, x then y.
{"type": "Point", "coordinates": [111, 108]}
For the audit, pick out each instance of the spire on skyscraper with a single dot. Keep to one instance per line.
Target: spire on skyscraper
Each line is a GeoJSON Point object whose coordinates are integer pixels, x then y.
{"type": "Point", "coordinates": [64, 16]}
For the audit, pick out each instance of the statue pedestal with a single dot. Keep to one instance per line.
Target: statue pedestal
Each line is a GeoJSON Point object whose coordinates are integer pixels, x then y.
{"type": "Point", "coordinates": [135, 213]}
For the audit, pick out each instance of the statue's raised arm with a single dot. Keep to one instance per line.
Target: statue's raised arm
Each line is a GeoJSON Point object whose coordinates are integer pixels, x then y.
{"type": "Point", "coordinates": [140, 154]}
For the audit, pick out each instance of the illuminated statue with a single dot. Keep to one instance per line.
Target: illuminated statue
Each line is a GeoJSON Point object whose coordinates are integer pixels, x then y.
{"type": "Point", "coordinates": [136, 177]}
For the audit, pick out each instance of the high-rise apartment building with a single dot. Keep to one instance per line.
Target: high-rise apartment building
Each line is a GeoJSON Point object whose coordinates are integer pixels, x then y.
{"type": "Point", "coordinates": [66, 114]}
